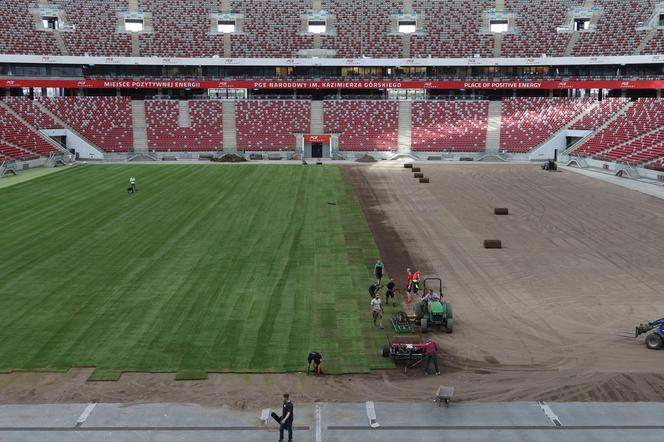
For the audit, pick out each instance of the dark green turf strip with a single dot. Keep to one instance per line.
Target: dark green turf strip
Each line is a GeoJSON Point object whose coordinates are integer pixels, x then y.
{"type": "Point", "coordinates": [205, 269]}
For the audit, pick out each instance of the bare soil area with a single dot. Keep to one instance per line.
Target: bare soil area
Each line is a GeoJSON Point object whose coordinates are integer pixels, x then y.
{"type": "Point", "coordinates": [548, 317]}
{"type": "Point", "coordinates": [552, 314]}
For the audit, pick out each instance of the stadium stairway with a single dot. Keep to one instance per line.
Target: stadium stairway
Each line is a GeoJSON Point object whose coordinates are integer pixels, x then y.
{"type": "Point", "coordinates": [645, 41]}
{"type": "Point", "coordinates": [68, 127]}
{"type": "Point", "coordinates": [33, 128]}
{"type": "Point", "coordinates": [493, 127]}
{"type": "Point", "coordinates": [574, 37]}
{"type": "Point", "coordinates": [60, 42]}
{"type": "Point", "coordinates": [404, 140]}
{"type": "Point", "coordinates": [140, 128]}
{"type": "Point", "coordinates": [317, 122]}
{"type": "Point", "coordinates": [184, 120]}
{"type": "Point", "coordinates": [230, 129]}
{"type": "Point", "coordinates": [498, 38]}
{"type": "Point", "coordinates": [407, 8]}
{"type": "Point", "coordinates": [498, 45]}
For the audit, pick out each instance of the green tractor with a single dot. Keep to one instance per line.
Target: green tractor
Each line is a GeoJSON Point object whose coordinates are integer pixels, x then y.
{"type": "Point", "coordinates": [437, 313]}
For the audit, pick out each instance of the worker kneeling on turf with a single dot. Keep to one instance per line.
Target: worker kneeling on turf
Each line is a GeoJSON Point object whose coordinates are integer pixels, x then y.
{"type": "Point", "coordinates": [315, 358]}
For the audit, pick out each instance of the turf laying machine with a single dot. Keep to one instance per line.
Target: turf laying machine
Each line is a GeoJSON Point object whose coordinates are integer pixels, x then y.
{"type": "Point", "coordinates": [654, 340]}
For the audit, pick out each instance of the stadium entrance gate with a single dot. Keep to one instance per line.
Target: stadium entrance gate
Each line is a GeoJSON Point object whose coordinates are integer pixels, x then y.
{"type": "Point", "coordinates": [317, 150]}
{"type": "Point", "coordinates": [317, 146]}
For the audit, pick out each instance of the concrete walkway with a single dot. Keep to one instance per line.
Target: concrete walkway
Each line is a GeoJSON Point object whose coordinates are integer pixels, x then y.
{"type": "Point", "coordinates": [527, 421]}
{"type": "Point", "coordinates": [646, 186]}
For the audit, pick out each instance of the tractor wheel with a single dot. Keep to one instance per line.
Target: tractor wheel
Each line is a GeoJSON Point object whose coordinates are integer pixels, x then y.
{"type": "Point", "coordinates": [448, 311]}
{"type": "Point", "coordinates": [654, 341]}
{"type": "Point", "coordinates": [449, 324]}
{"type": "Point", "coordinates": [418, 311]}
{"type": "Point", "coordinates": [423, 325]}
{"type": "Point", "coordinates": [386, 351]}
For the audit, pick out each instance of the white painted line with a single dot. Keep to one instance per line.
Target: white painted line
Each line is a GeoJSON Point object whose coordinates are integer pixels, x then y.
{"type": "Point", "coordinates": [265, 415]}
{"type": "Point", "coordinates": [371, 414]}
{"type": "Point", "coordinates": [319, 426]}
{"type": "Point", "coordinates": [550, 414]}
{"type": "Point", "coordinates": [86, 413]}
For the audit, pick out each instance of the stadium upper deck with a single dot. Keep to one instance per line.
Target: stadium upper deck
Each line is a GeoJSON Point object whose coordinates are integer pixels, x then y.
{"type": "Point", "coordinates": [332, 28]}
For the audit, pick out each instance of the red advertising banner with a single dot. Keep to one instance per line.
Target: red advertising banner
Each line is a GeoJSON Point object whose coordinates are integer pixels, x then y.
{"type": "Point", "coordinates": [331, 84]}
{"type": "Point", "coordinates": [317, 138]}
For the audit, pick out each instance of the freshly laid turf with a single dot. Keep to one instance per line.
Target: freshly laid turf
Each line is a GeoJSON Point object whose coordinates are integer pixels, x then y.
{"type": "Point", "coordinates": [205, 269]}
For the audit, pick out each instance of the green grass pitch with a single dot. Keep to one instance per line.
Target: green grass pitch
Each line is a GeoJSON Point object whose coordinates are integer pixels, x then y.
{"type": "Point", "coordinates": [206, 269]}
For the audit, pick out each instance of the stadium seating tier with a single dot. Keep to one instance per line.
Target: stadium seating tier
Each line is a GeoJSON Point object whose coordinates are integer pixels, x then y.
{"type": "Point", "coordinates": [527, 122]}
{"type": "Point", "coordinates": [164, 132]}
{"type": "Point", "coordinates": [637, 128]}
{"type": "Point", "coordinates": [363, 124]}
{"type": "Point", "coordinates": [271, 125]}
{"type": "Point", "coordinates": [105, 121]}
{"type": "Point", "coordinates": [449, 126]}
{"type": "Point", "coordinates": [20, 141]}
{"type": "Point", "coordinates": [357, 28]}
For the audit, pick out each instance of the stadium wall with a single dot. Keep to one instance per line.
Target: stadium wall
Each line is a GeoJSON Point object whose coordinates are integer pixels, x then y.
{"type": "Point", "coordinates": [84, 149]}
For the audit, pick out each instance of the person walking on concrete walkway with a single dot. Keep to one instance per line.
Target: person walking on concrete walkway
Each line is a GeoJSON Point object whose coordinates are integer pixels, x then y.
{"type": "Point", "coordinates": [286, 419]}
{"type": "Point", "coordinates": [430, 354]}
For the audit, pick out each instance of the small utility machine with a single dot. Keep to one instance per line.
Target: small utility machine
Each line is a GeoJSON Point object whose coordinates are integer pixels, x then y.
{"type": "Point", "coordinates": [435, 314]}
{"type": "Point", "coordinates": [407, 351]}
{"type": "Point", "coordinates": [654, 340]}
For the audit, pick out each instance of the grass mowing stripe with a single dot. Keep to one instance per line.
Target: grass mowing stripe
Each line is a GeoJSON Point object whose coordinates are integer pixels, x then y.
{"type": "Point", "coordinates": [204, 269]}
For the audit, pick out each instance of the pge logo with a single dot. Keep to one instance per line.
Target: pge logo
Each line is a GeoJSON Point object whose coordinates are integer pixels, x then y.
{"type": "Point", "coordinates": [81, 83]}
{"type": "Point", "coordinates": [624, 84]}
